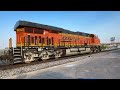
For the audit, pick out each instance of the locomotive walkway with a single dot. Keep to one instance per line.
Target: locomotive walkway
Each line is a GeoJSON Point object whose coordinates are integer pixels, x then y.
{"type": "Point", "coordinates": [96, 67]}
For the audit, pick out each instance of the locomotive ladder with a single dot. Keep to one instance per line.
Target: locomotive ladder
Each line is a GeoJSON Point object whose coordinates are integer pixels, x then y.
{"type": "Point", "coordinates": [17, 55]}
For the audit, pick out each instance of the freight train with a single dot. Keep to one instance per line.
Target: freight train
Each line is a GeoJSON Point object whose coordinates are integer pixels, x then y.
{"type": "Point", "coordinates": [36, 41]}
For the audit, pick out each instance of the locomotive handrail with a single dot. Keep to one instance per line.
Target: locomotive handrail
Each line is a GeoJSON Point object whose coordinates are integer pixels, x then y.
{"type": "Point", "coordinates": [21, 44]}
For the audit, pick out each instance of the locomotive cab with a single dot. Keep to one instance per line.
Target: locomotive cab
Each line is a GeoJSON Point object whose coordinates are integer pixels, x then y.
{"type": "Point", "coordinates": [95, 40]}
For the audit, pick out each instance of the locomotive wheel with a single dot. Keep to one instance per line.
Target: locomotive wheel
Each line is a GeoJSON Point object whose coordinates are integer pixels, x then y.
{"type": "Point", "coordinates": [94, 50]}
{"type": "Point", "coordinates": [97, 50]}
{"type": "Point", "coordinates": [28, 57]}
{"type": "Point", "coordinates": [91, 50]}
{"type": "Point", "coordinates": [58, 54]}
{"type": "Point", "coordinates": [45, 56]}
{"type": "Point", "coordinates": [63, 53]}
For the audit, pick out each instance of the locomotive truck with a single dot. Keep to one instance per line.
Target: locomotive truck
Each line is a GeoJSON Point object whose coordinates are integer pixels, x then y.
{"type": "Point", "coordinates": [36, 41]}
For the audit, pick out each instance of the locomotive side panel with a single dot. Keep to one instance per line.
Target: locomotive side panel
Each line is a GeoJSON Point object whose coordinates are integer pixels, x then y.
{"type": "Point", "coordinates": [48, 38]}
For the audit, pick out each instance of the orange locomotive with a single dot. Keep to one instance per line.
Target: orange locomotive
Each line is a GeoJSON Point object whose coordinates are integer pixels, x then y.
{"type": "Point", "coordinates": [37, 41]}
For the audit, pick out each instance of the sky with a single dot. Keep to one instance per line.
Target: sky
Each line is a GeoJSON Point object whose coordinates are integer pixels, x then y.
{"type": "Point", "coordinates": [105, 24]}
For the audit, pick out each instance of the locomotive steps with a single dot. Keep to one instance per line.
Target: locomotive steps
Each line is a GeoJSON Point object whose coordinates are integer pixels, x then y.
{"type": "Point", "coordinates": [17, 55]}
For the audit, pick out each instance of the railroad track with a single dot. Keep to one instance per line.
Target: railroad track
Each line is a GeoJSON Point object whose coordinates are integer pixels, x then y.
{"type": "Point", "coordinates": [5, 67]}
